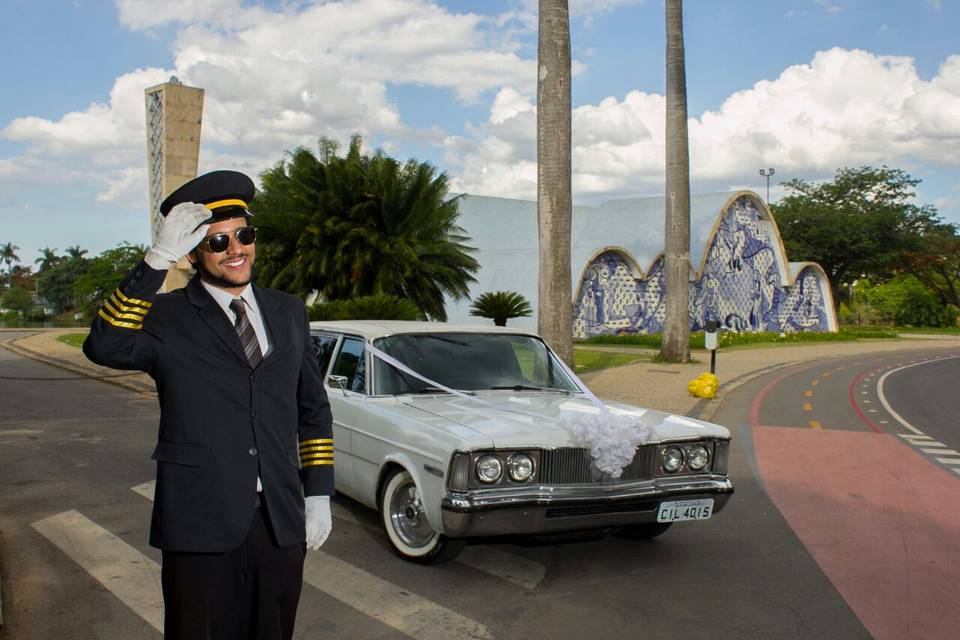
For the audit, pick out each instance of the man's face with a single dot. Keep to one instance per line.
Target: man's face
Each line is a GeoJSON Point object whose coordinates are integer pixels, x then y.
{"type": "Point", "coordinates": [229, 270]}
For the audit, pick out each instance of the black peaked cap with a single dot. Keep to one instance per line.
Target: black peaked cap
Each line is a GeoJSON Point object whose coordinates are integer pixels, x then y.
{"type": "Point", "coordinates": [226, 193]}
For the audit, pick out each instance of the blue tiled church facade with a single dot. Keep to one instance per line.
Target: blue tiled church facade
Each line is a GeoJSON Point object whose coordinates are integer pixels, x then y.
{"type": "Point", "coordinates": [744, 283]}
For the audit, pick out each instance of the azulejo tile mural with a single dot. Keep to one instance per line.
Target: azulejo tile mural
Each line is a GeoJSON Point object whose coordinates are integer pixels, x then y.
{"type": "Point", "coordinates": [744, 282]}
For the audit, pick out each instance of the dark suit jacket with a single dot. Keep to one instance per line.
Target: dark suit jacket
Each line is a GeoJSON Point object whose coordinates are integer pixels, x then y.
{"type": "Point", "coordinates": [222, 423]}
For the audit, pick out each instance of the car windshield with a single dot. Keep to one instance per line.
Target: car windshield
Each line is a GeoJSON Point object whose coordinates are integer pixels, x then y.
{"type": "Point", "coordinates": [469, 362]}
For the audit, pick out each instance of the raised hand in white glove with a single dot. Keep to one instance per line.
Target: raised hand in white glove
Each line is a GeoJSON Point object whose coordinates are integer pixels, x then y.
{"type": "Point", "coordinates": [179, 233]}
{"type": "Point", "coordinates": [319, 522]}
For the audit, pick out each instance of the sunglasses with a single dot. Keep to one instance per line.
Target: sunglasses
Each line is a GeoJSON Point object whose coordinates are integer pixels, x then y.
{"type": "Point", "coordinates": [220, 242]}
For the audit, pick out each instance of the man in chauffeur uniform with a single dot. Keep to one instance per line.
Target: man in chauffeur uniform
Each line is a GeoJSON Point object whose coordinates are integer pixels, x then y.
{"type": "Point", "coordinates": [245, 425]}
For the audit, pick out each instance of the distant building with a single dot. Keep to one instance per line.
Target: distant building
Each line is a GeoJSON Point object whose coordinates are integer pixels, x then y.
{"type": "Point", "coordinates": [739, 272]}
{"type": "Point", "coordinates": [174, 115]}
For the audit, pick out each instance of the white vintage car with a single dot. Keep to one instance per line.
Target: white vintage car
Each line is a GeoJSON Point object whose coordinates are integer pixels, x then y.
{"type": "Point", "coordinates": [465, 434]}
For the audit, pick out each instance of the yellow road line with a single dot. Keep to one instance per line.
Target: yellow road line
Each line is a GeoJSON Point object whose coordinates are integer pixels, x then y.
{"type": "Point", "coordinates": [815, 424]}
{"type": "Point", "coordinates": [808, 393]}
{"type": "Point", "coordinates": [807, 406]}
{"type": "Point", "coordinates": [815, 382]}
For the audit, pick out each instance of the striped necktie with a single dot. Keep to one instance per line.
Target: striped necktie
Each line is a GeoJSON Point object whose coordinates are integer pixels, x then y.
{"type": "Point", "coordinates": [248, 337]}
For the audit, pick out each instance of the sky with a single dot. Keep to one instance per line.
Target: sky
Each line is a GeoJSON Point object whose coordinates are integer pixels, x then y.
{"type": "Point", "coordinates": [802, 86]}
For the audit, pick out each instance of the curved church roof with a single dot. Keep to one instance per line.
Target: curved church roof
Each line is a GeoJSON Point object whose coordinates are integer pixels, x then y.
{"type": "Point", "coordinates": [505, 233]}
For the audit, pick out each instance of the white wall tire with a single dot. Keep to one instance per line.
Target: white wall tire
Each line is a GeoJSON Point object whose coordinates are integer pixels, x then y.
{"type": "Point", "coordinates": [405, 522]}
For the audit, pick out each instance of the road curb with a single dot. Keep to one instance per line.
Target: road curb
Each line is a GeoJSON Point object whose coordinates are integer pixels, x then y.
{"type": "Point", "coordinates": [87, 372]}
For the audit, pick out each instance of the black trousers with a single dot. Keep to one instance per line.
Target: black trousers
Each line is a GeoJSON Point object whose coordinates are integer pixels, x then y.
{"type": "Point", "coordinates": [250, 593]}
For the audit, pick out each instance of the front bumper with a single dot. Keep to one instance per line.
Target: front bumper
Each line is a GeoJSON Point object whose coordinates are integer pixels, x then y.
{"type": "Point", "coordinates": [544, 509]}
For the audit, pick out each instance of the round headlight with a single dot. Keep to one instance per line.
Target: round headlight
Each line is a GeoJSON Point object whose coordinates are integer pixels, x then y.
{"type": "Point", "coordinates": [698, 457]}
{"type": "Point", "coordinates": [520, 467]}
{"type": "Point", "coordinates": [489, 469]}
{"type": "Point", "coordinates": [672, 459]}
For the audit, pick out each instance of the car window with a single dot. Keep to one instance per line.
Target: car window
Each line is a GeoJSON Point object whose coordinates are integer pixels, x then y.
{"type": "Point", "coordinates": [469, 361]}
{"type": "Point", "coordinates": [323, 347]}
{"type": "Point", "coordinates": [351, 364]}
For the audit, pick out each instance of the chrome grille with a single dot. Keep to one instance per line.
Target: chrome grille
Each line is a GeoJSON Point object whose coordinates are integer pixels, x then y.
{"type": "Point", "coordinates": [575, 466]}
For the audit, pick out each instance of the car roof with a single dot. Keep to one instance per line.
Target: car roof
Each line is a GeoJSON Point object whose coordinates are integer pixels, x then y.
{"type": "Point", "coordinates": [372, 329]}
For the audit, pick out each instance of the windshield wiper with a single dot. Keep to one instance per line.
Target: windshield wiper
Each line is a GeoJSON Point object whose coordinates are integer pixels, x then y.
{"type": "Point", "coordinates": [527, 387]}
{"type": "Point", "coordinates": [430, 389]}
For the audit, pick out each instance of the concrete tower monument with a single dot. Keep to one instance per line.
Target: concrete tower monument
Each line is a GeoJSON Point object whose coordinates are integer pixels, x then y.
{"type": "Point", "coordinates": [174, 115]}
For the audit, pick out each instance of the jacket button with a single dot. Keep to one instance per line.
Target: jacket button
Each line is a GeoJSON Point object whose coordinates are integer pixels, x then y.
{"type": "Point", "coordinates": [252, 452]}
{"type": "Point", "coordinates": [253, 377]}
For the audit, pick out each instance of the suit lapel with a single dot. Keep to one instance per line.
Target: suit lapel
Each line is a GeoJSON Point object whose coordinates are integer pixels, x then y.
{"type": "Point", "coordinates": [271, 315]}
{"type": "Point", "coordinates": [214, 317]}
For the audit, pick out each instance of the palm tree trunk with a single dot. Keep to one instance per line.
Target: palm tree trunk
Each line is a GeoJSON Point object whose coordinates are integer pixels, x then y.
{"type": "Point", "coordinates": [675, 344]}
{"type": "Point", "coordinates": [554, 203]}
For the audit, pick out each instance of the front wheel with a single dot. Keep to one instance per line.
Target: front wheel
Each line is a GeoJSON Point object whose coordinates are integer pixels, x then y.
{"type": "Point", "coordinates": [405, 522]}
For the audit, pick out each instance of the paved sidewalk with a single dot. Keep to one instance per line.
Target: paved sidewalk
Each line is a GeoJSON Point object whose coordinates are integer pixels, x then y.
{"type": "Point", "coordinates": [664, 386]}
{"type": "Point", "coordinates": [44, 346]}
{"type": "Point", "coordinates": [648, 384]}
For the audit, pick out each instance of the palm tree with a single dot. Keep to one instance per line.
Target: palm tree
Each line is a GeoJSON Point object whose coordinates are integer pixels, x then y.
{"type": "Point", "coordinates": [8, 254]}
{"type": "Point", "coordinates": [501, 306]}
{"type": "Point", "coordinates": [675, 344]}
{"type": "Point", "coordinates": [47, 259]}
{"type": "Point", "coordinates": [362, 225]}
{"type": "Point", "coordinates": [76, 253]}
{"type": "Point", "coordinates": [554, 203]}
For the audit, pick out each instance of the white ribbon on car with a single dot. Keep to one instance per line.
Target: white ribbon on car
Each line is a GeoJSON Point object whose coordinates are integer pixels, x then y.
{"type": "Point", "coordinates": [612, 436]}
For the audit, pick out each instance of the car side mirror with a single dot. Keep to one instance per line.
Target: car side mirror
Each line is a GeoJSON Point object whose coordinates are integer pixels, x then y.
{"type": "Point", "coordinates": [338, 381]}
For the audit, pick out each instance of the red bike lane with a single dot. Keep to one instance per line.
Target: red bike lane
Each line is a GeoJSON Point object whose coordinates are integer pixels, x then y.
{"type": "Point", "coordinates": [881, 521]}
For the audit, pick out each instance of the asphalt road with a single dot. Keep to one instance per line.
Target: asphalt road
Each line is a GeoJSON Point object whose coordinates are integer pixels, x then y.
{"type": "Point", "coordinates": [74, 510]}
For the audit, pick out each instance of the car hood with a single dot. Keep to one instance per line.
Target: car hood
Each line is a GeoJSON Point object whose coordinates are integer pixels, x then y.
{"type": "Point", "coordinates": [535, 419]}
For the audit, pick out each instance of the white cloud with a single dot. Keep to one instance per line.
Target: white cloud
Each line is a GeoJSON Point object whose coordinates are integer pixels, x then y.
{"type": "Point", "coordinates": [810, 120]}
{"type": "Point", "coordinates": [828, 6]}
{"type": "Point", "coordinates": [275, 80]}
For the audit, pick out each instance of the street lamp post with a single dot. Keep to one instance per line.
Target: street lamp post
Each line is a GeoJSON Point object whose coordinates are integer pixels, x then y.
{"type": "Point", "coordinates": [767, 174]}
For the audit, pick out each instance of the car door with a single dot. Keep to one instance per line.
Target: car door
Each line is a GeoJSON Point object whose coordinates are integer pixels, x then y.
{"type": "Point", "coordinates": [325, 345]}
{"type": "Point", "coordinates": [346, 383]}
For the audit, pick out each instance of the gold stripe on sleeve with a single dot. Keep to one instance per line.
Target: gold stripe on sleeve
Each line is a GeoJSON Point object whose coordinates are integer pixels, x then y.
{"type": "Point", "coordinates": [317, 456]}
{"type": "Point", "coordinates": [123, 316]}
{"type": "Point", "coordinates": [313, 449]}
{"type": "Point", "coordinates": [316, 463]}
{"type": "Point", "coordinates": [115, 301]}
{"type": "Point", "coordinates": [139, 303]}
{"type": "Point", "coordinates": [306, 443]}
{"type": "Point", "coordinates": [118, 323]}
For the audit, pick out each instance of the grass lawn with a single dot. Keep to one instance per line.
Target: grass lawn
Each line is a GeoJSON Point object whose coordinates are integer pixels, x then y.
{"type": "Point", "coordinates": [73, 339]}
{"type": "Point", "coordinates": [594, 360]}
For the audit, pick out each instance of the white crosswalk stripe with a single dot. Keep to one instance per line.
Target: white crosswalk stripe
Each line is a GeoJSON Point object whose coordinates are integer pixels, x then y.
{"type": "Point", "coordinates": [128, 574]}
{"type": "Point", "coordinates": [506, 566]}
{"type": "Point", "coordinates": [135, 580]}
{"type": "Point", "coordinates": [415, 616]}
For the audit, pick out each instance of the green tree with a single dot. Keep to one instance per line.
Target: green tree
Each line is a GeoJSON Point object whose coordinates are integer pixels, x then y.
{"type": "Point", "coordinates": [937, 263]}
{"type": "Point", "coordinates": [57, 280]}
{"type": "Point", "coordinates": [861, 223]}
{"type": "Point", "coordinates": [905, 301]}
{"type": "Point", "coordinates": [361, 225]}
{"type": "Point", "coordinates": [675, 345]}
{"type": "Point", "coordinates": [500, 306]}
{"type": "Point", "coordinates": [103, 274]}
{"type": "Point", "coordinates": [554, 190]}
{"type": "Point", "coordinates": [8, 254]}
{"type": "Point", "coordinates": [17, 298]}
{"type": "Point", "coordinates": [48, 258]}
{"type": "Point", "coordinates": [378, 307]}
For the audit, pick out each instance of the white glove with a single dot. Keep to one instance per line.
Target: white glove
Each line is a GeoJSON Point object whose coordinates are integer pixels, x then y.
{"type": "Point", "coordinates": [179, 233]}
{"type": "Point", "coordinates": [319, 522]}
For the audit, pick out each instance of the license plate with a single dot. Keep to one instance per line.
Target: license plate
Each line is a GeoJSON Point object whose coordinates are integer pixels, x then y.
{"type": "Point", "coordinates": [679, 510]}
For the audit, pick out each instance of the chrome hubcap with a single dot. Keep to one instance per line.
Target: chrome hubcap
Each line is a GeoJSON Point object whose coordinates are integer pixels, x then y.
{"type": "Point", "coordinates": [407, 516]}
